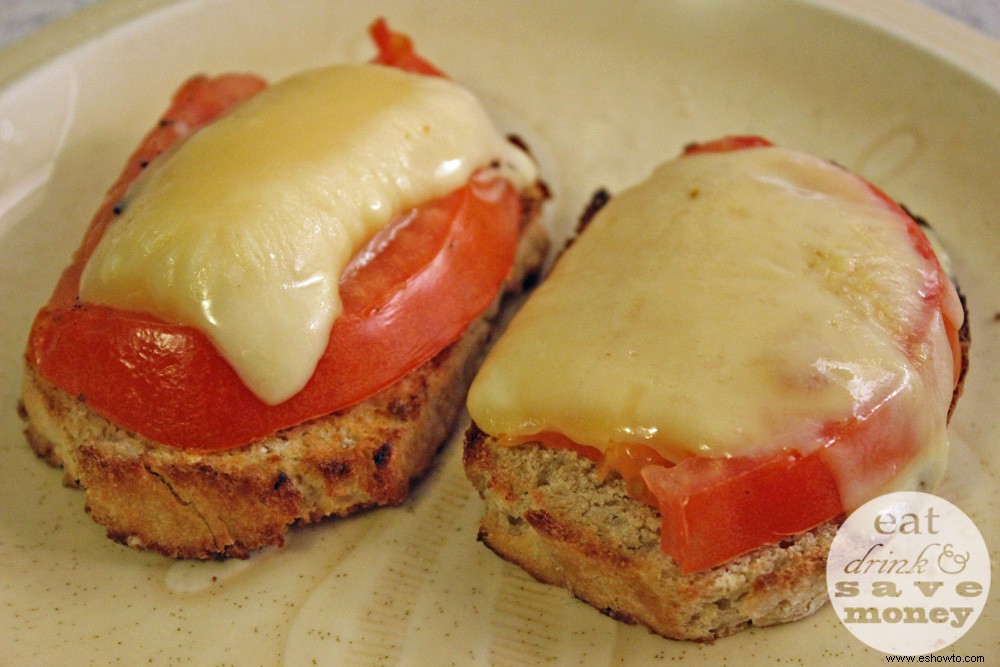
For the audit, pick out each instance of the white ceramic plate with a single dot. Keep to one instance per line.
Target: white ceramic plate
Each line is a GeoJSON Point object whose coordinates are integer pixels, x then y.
{"type": "Point", "coordinates": [603, 91]}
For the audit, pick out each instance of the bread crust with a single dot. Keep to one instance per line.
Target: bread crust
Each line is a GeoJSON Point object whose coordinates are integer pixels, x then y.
{"type": "Point", "coordinates": [219, 504]}
{"type": "Point", "coordinates": [548, 512]}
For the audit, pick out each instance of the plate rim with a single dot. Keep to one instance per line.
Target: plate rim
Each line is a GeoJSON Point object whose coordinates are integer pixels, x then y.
{"type": "Point", "coordinates": [918, 24]}
{"type": "Point", "coordinates": [970, 52]}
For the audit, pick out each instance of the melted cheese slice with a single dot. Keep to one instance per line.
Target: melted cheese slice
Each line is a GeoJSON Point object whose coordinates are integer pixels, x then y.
{"type": "Point", "coordinates": [244, 230]}
{"type": "Point", "coordinates": [731, 305]}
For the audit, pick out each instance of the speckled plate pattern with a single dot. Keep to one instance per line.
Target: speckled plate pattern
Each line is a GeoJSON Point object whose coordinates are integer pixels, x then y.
{"type": "Point", "coordinates": [603, 91]}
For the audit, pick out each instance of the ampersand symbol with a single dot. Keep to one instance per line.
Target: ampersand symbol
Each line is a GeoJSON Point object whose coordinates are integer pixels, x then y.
{"type": "Point", "coordinates": [948, 554]}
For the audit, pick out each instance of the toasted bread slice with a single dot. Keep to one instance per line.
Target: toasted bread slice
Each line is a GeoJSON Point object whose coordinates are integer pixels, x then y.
{"type": "Point", "coordinates": [201, 505]}
{"type": "Point", "coordinates": [548, 511]}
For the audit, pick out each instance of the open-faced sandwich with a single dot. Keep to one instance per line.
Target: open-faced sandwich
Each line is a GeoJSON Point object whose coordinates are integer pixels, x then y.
{"type": "Point", "coordinates": [729, 357]}
{"type": "Point", "coordinates": [276, 312]}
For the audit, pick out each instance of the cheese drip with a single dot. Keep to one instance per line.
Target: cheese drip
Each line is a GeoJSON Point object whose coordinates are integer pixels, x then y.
{"type": "Point", "coordinates": [731, 305]}
{"type": "Point", "coordinates": [243, 231]}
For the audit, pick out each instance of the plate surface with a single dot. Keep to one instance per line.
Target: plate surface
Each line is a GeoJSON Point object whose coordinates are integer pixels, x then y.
{"type": "Point", "coordinates": [906, 97]}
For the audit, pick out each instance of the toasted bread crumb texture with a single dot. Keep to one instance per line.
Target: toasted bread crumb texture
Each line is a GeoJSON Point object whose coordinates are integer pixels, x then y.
{"type": "Point", "coordinates": [547, 512]}
{"type": "Point", "coordinates": [202, 505]}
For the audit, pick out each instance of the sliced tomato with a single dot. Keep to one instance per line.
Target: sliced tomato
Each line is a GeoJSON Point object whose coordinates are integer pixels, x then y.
{"type": "Point", "coordinates": [396, 49]}
{"type": "Point", "coordinates": [199, 101]}
{"type": "Point", "coordinates": [169, 383]}
{"type": "Point", "coordinates": [406, 296]}
{"type": "Point", "coordinates": [715, 509]}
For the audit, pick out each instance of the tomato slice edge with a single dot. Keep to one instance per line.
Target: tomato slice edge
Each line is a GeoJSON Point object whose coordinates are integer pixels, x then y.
{"type": "Point", "coordinates": [70, 343]}
{"type": "Point", "coordinates": [716, 509]}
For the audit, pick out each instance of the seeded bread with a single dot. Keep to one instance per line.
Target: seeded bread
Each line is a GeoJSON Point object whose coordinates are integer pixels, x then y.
{"type": "Point", "coordinates": [203, 505]}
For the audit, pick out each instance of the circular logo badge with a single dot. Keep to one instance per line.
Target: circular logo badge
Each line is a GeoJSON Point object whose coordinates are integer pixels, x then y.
{"type": "Point", "coordinates": [908, 573]}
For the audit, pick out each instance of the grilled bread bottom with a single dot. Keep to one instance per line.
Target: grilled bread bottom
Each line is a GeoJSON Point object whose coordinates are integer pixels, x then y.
{"type": "Point", "coordinates": [189, 504]}
{"type": "Point", "coordinates": [547, 512]}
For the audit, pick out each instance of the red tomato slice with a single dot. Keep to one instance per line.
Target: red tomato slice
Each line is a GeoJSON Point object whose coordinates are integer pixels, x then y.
{"type": "Point", "coordinates": [717, 509]}
{"type": "Point", "coordinates": [714, 510]}
{"type": "Point", "coordinates": [408, 295]}
{"type": "Point", "coordinates": [396, 49]}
